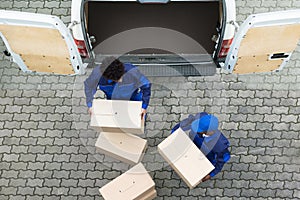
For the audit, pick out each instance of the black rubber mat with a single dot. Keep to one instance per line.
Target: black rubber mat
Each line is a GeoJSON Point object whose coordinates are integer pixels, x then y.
{"type": "Point", "coordinates": [197, 20]}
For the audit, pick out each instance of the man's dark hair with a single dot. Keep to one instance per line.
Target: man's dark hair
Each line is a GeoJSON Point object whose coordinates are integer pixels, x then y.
{"type": "Point", "coordinates": [112, 68]}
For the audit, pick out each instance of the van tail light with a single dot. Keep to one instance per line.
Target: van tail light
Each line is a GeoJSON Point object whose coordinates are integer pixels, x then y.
{"type": "Point", "coordinates": [225, 48]}
{"type": "Point", "coordinates": [81, 48]}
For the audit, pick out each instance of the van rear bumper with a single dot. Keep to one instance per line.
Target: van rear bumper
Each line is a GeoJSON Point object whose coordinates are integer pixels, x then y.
{"type": "Point", "coordinates": [169, 64]}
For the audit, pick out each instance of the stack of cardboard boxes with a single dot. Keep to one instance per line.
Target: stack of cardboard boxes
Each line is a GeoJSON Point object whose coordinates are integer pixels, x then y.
{"type": "Point", "coordinates": [118, 121]}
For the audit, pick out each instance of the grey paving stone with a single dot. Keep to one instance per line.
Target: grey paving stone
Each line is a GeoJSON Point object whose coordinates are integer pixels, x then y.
{"type": "Point", "coordinates": [37, 133]}
{"type": "Point", "coordinates": [20, 133]}
{"type": "Point", "coordinates": [291, 168]}
{"type": "Point", "coordinates": [249, 176]}
{"type": "Point", "coordinates": [8, 190]}
{"type": "Point", "coordinates": [35, 165]}
{"type": "Point", "coordinates": [249, 192]}
{"type": "Point", "coordinates": [44, 158]}
{"type": "Point", "coordinates": [214, 192]}
{"type": "Point", "coordinates": [240, 184]}
{"type": "Point", "coordinates": [267, 193]}
{"type": "Point", "coordinates": [248, 142]}
{"type": "Point", "coordinates": [61, 157]}
{"type": "Point", "coordinates": [77, 191]}
{"type": "Point", "coordinates": [78, 174]}
{"type": "Point", "coordinates": [21, 101]}
{"type": "Point", "coordinates": [254, 118]}
{"type": "Point", "coordinates": [284, 193]}
{"type": "Point", "coordinates": [273, 134]}
{"type": "Point", "coordinates": [19, 165]}
{"type": "Point", "coordinates": [4, 182]}
{"type": "Point", "coordinates": [279, 110]}
{"type": "Point", "coordinates": [10, 157]}
{"type": "Point", "coordinates": [86, 183]}
{"type": "Point", "coordinates": [54, 101]}
{"type": "Point", "coordinates": [26, 174]}
{"type": "Point", "coordinates": [61, 191]}
{"type": "Point", "coordinates": [36, 149]}
{"type": "Point", "coordinates": [10, 141]}
{"type": "Point", "coordinates": [54, 133]}
{"type": "Point", "coordinates": [43, 174]}
{"type": "Point", "coordinates": [275, 184]}
{"type": "Point", "coordinates": [29, 125]}
{"type": "Point", "coordinates": [240, 167]}
{"type": "Point", "coordinates": [45, 141]}
{"type": "Point", "coordinates": [6, 4]}
{"type": "Point", "coordinates": [248, 159]}
{"type": "Point", "coordinates": [86, 166]}
{"type": "Point", "coordinates": [27, 157]}
{"type": "Point", "coordinates": [258, 184]}
{"type": "Point", "coordinates": [30, 109]}
{"type": "Point", "coordinates": [36, 4]}
{"type": "Point", "coordinates": [51, 182]}
{"type": "Point", "coordinates": [69, 183]}
{"type": "Point", "coordinates": [25, 190]}
{"type": "Point", "coordinates": [17, 197]}
{"type": "Point", "coordinates": [34, 182]}
{"type": "Point", "coordinates": [61, 174]}
{"type": "Point", "coordinates": [42, 191]}
{"type": "Point", "coordinates": [246, 126]}
{"type": "Point", "coordinates": [46, 109]}
{"type": "Point", "coordinates": [53, 149]}
{"type": "Point", "coordinates": [232, 192]}
{"type": "Point", "coordinates": [95, 174]}
{"type": "Point", "coordinates": [38, 117]}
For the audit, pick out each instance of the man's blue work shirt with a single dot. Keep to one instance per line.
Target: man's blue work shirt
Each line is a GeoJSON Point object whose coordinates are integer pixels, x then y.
{"type": "Point", "coordinates": [134, 86]}
{"type": "Point", "coordinates": [215, 147]}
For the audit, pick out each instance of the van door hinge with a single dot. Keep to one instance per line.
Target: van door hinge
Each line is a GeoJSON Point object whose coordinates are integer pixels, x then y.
{"type": "Point", "coordinates": [73, 23]}
{"type": "Point", "coordinates": [235, 24]}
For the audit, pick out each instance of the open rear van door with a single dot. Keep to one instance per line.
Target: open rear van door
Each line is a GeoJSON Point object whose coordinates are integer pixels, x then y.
{"type": "Point", "coordinates": [39, 43]}
{"type": "Point", "coordinates": [264, 42]}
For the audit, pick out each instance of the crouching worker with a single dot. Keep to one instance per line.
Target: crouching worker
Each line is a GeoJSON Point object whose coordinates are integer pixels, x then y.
{"type": "Point", "coordinates": [203, 130]}
{"type": "Point", "coordinates": [118, 81]}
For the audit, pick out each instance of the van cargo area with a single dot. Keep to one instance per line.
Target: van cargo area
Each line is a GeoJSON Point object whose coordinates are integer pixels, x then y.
{"type": "Point", "coordinates": [193, 21]}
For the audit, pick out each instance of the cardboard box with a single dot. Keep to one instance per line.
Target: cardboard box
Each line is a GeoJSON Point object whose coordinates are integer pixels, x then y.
{"type": "Point", "coordinates": [125, 147]}
{"type": "Point", "coordinates": [185, 158]}
{"type": "Point", "coordinates": [117, 116]}
{"type": "Point", "coordinates": [135, 184]}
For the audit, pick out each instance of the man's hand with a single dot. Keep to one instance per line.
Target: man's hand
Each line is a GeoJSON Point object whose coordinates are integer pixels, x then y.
{"type": "Point", "coordinates": [143, 113]}
{"type": "Point", "coordinates": [207, 177]}
{"type": "Point", "coordinates": [90, 111]}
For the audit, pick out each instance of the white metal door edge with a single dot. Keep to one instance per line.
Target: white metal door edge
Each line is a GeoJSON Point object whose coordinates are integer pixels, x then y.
{"type": "Point", "coordinates": [41, 21]}
{"type": "Point", "coordinates": [260, 20]}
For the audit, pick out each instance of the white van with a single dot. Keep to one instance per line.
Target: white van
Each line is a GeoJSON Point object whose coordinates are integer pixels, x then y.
{"type": "Point", "coordinates": [163, 38]}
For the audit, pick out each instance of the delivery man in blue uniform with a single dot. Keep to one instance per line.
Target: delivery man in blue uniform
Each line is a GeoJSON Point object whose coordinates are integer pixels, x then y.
{"type": "Point", "coordinates": [119, 81]}
{"type": "Point", "coordinates": [203, 130]}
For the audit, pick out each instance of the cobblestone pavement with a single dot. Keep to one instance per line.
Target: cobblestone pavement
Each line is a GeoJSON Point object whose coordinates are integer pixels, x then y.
{"type": "Point", "coordinates": [47, 148]}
